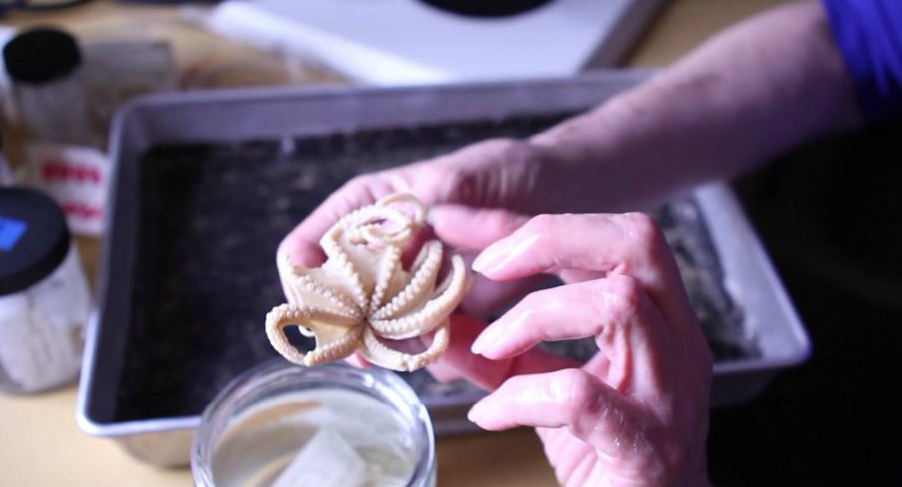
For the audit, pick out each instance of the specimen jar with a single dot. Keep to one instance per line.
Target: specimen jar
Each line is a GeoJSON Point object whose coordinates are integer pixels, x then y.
{"type": "Point", "coordinates": [45, 66]}
{"type": "Point", "coordinates": [44, 296]}
{"type": "Point", "coordinates": [281, 424]}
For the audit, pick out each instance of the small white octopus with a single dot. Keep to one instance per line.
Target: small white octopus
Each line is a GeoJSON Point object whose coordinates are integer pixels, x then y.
{"type": "Point", "coordinates": [362, 295]}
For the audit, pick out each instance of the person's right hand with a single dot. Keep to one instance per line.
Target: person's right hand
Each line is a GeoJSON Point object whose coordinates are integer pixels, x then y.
{"type": "Point", "coordinates": [636, 414]}
{"type": "Point", "coordinates": [497, 173]}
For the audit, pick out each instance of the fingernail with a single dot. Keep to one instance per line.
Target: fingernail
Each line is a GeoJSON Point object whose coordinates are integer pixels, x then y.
{"type": "Point", "coordinates": [490, 259]}
{"type": "Point", "coordinates": [496, 257]}
{"type": "Point", "coordinates": [486, 340]}
{"type": "Point", "coordinates": [430, 216]}
{"type": "Point", "coordinates": [476, 413]}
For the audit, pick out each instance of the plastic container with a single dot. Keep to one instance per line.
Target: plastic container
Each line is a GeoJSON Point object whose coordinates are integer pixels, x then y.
{"type": "Point", "coordinates": [44, 297]}
{"type": "Point", "coordinates": [281, 424]}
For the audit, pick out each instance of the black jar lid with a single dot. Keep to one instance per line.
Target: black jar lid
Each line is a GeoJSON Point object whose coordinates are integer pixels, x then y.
{"type": "Point", "coordinates": [34, 238]}
{"type": "Point", "coordinates": [41, 55]}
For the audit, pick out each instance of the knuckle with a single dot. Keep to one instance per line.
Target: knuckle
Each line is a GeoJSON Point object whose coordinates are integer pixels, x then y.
{"type": "Point", "coordinates": [532, 299]}
{"type": "Point", "coordinates": [359, 181]}
{"type": "Point", "coordinates": [542, 224]}
{"type": "Point", "coordinates": [621, 298]}
{"type": "Point", "coordinates": [581, 393]}
{"type": "Point", "coordinates": [643, 233]}
{"type": "Point", "coordinates": [363, 187]}
{"type": "Point", "coordinates": [503, 146]}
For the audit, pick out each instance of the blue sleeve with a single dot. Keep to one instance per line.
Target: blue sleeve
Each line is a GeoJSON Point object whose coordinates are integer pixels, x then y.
{"type": "Point", "coordinates": [869, 36]}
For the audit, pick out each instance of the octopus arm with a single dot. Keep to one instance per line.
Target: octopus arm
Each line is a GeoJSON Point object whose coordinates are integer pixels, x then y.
{"type": "Point", "coordinates": [428, 316]}
{"type": "Point", "coordinates": [424, 273]}
{"type": "Point", "coordinates": [337, 336]}
{"type": "Point", "coordinates": [380, 354]}
{"type": "Point", "coordinates": [314, 287]}
{"type": "Point", "coordinates": [388, 268]}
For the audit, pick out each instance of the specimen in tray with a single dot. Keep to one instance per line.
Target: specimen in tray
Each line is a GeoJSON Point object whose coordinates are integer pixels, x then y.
{"type": "Point", "coordinates": [362, 298]}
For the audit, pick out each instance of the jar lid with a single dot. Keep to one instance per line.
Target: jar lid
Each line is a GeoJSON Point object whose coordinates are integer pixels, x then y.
{"type": "Point", "coordinates": [34, 238]}
{"type": "Point", "coordinates": [40, 55]}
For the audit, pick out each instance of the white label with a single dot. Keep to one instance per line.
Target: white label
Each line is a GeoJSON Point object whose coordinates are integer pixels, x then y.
{"type": "Point", "coordinates": [327, 460]}
{"type": "Point", "coordinates": [77, 177]}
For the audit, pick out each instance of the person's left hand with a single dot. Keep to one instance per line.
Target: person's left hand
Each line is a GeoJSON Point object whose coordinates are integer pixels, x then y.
{"type": "Point", "coordinates": [636, 414]}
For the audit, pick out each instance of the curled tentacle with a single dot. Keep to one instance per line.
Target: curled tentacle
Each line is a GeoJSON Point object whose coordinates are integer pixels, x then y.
{"type": "Point", "coordinates": [419, 211]}
{"type": "Point", "coordinates": [418, 322]}
{"type": "Point", "coordinates": [308, 316]}
{"type": "Point", "coordinates": [302, 288]}
{"type": "Point", "coordinates": [378, 353]}
{"type": "Point", "coordinates": [423, 275]}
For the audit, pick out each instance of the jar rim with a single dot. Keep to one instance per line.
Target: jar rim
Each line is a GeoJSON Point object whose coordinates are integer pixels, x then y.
{"type": "Point", "coordinates": [276, 374]}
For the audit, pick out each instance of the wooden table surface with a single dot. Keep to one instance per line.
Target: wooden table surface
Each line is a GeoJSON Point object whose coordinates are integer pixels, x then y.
{"type": "Point", "coordinates": [40, 443]}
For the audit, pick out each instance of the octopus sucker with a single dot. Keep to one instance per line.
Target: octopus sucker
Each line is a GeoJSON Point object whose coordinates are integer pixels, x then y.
{"type": "Point", "coordinates": [362, 298]}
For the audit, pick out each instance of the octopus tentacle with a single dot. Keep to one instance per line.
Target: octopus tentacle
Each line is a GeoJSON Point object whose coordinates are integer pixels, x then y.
{"type": "Point", "coordinates": [378, 353]}
{"type": "Point", "coordinates": [443, 286]}
{"type": "Point", "coordinates": [417, 323]}
{"type": "Point", "coordinates": [289, 314]}
{"type": "Point", "coordinates": [423, 276]}
{"type": "Point", "coordinates": [337, 349]}
{"type": "Point", "coordinates": [339, 258]}
{"type": "Point", "coordinates": [396, 228]}
{"type": "Point", "coordinates": [390, 265]}
{"type": "Point", "coordinates": [305, 283]}
{"type": "Point", "coordinates": [419, 211]}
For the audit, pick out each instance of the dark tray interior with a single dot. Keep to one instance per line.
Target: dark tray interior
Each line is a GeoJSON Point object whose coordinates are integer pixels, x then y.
{"type": "Point", "coordinates": [211, 217]}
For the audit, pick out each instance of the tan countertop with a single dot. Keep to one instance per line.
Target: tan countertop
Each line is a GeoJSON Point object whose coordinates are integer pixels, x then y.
{"type": "Point", "coordinates": [40, 443]}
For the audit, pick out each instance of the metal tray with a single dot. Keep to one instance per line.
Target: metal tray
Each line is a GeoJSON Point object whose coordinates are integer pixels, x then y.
{"type": "Point", "coordinates": [232, 117]}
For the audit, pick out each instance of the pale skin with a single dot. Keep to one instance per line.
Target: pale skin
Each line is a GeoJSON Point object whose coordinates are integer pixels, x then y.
{"type": "Point", "coordinates": [637, 413]}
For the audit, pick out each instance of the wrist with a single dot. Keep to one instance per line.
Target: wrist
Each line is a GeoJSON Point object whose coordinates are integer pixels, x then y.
{"type": "Point", "coordinates": [608, 159]}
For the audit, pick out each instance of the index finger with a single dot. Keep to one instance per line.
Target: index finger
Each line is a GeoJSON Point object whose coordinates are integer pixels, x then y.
{"type": "Point", "coordinates": [629, 244]}
{"type": "Point", "coordinates": [489, 374]}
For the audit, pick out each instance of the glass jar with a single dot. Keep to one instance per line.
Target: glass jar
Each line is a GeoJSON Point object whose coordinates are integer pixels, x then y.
{"type": "Point", "coordinates": [280, 424]}
{"type": "Point", "coordinates": [44, 296]}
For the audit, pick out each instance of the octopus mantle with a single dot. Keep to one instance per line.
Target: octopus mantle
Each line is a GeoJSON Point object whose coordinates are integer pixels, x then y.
{"type": "Point", "coordinates": [362, 299]}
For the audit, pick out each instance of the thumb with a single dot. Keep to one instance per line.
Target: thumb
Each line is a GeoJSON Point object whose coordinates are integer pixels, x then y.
{"type": "Point", "coordinates": [473, 229]}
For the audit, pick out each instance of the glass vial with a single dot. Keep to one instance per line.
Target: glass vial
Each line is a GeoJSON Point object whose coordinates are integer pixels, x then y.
{"type": "Point", "coordinates": [44, 296]}
{"type": "Point", "coordinates": [281, 424]}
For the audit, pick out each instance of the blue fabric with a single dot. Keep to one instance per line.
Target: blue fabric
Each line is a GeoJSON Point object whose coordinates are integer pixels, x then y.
{"type": "Point", "coordinates": [869, 35]}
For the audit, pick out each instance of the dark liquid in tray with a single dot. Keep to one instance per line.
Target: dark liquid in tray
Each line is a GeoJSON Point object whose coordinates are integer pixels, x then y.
{"type": "Point", "coordinates": [211, 217]}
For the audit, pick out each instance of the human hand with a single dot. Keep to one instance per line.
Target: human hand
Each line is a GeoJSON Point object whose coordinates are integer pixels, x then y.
{"type": "Point", "coordinates": [499, 173]}
{"type": "Point", "coordinates": [637, 413]}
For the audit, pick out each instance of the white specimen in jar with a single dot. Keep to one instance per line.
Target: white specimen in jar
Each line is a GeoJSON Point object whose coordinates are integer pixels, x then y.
{"type": "Point", "coordinates": [326, 460]}
{"type": "Point", "coordinates": [338, 437]}
{"type": "Point", "coordinates": [42, 328]}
